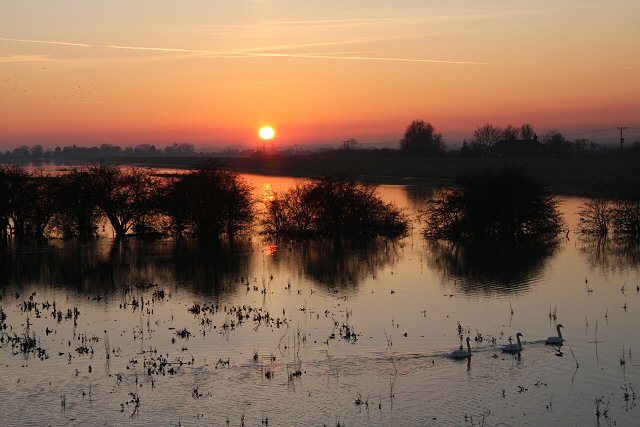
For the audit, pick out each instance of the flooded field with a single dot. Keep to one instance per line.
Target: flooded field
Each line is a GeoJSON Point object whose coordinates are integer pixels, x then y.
{"type": "Point", "coordinates": [265, 332]}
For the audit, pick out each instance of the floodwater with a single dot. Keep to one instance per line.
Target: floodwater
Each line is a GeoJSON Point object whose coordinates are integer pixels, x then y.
{"type": "Point", "coordinates": [261, 332]}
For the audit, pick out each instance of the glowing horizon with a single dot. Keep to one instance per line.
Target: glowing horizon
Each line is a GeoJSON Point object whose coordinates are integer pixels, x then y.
{"type": "Point", "coordinates": [79, 72]}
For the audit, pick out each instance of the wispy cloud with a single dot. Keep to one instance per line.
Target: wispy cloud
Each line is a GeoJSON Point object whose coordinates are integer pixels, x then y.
{"type": "Point", "coordinates": [46, 42]}
{"type": "Point", "coordinates": [258, 52]}
{"type": "Point", "coordinates": [360, 58]}
{"type": "Point", "coordinates": [11, 59]}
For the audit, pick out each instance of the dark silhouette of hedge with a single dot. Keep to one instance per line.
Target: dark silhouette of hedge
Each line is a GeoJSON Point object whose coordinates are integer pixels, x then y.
{"type": "Point", "coordinates": [333, 206]}
{"type": "Point", "coordinates": [206, 202]}
{"type": "Point", "coordinates": [508, 206]}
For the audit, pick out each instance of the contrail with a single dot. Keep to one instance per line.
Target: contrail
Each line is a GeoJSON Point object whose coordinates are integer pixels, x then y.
{"type": "Point", "coordinates": [47, 42]}
{"type": "Point", "coordinates": [253, 53]}
{"type": "Point", "coordinates": [360, 58]}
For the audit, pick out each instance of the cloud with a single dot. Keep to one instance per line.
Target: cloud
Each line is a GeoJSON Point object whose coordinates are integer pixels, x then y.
{"type": "Point", "coordinates": [46, 42]}
{"type": "Point", "coordinates": [13, 59]}
{"type": "Point", "coordinates": [360, 58]}
{"type": "Point", "coordinates": [260, 52]}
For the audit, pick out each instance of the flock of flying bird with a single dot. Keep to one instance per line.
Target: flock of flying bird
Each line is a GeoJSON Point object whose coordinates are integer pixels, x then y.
{"type": "Point", "coordinates": [509, 348]}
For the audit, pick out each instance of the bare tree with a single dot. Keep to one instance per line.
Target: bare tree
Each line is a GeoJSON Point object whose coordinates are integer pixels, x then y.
{"type": "Point", "coordinates": [526, 132]}
{"type": "Point", "coordinates": [123, 195]}
{"type": "Point", "coordinates": [510, 133]}
{"type": "Point", "coordinates": [595, 217]}
{"type": "Point", "coordinates": [487, 135]}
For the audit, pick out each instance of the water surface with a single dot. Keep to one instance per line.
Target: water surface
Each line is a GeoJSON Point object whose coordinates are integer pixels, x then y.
{"type": "Point", "coordinates": [311, 333]}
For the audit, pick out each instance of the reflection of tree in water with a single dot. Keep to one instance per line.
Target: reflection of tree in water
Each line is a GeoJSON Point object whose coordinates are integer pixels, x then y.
{"type": "Point", "coordinates": [418, 194]}
{"type": "Point", "coordinates": [609, 255]}
{"type": "Point", "coordinates": [340, 263]}
{"type": "Point", "coordinates": [484, 268]}
{"type": "Point", "coordinates": [104, 266]}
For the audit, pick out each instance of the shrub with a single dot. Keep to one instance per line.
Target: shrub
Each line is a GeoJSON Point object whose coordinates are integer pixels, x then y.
{"type": "Point", "coordinates": [208, 202]}
{"type": "Point", "coordinates": [508, 205]}
{"type": "Point", "coordinates": [333, 206]}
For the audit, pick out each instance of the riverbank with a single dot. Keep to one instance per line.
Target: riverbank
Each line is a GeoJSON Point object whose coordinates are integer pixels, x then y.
{"type": "Point", "coordinates": [611, 178]}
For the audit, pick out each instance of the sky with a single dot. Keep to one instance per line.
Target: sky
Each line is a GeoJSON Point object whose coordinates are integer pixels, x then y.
{"type": "Point", "coordinates": [211, 73]}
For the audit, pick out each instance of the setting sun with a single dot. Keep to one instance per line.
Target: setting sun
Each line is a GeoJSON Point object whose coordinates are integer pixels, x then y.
{"type": "Point", "coordinates": [267, 132]}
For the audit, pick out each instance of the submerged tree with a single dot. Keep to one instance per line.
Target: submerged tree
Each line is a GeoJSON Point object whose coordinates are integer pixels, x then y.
{"type": "Point", "coordinates": [626, 219]}
{"type": "Point", "coordinates": [26, 202]}
{"type": "Point", "coordinates": [76, 213]}
{"type": "Point", "coordinates": [333, 206]}
{"type": "Point", "coordinates": [208, 202]}
{"type": "Point", "coordinates": [595, 218]}
{"type": "Point", "coordinates": [599, 217]}
{"type": "Point", "coordinates": [125, 196]}
{"type": "Point", "coordinates": [508, 206]}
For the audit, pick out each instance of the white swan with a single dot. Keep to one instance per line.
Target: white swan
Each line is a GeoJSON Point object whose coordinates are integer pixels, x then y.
{"type": "Point", "coordinates": [556, 340]}
{"type": "Point", "coordinates": [462, 354]}
{"type": "Point", "coordinates": [513, 348]}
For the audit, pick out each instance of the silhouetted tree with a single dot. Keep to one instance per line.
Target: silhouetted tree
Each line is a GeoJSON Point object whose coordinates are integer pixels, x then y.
{"type": "Point", "coordinates": [208, 202]}
{"type": "Point", "coordinates": [333, 206]}
{"type": "Point", "coordinates": [124, 195]}
{"type": "Point", "coordinates": [510, 133]}
{"type": "Point", "coordinates": [600, 216]}
{"type": "Point", "coordinates": [556, 142]}
{"type": "Point", "coordinates": [487, 135]}
{"type": "Point", "coordinates": [526, 132]}
{"type": "Point", "coordinates": [290, 213]}
{"type": "Point", "coordinates": [507, 206]}
{"type": "Point", "coordinates": [14, 182]}
{"type": "Point", "coordinates": [626, 219]}
{"type": "Point", "coordinates": [595, 217]}
{"type": "Point", "coordinates": [41, 205]}
{"type": "Point", "coordinates": [484, 138]}
{"type": "Point", "coordinates": [421, 138]}
{"type": "Point", "coordinates": [77, 212]}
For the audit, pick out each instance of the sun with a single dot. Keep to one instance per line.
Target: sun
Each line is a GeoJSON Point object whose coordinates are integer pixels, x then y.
{"type": "Point", "coordinates": [267, 132]}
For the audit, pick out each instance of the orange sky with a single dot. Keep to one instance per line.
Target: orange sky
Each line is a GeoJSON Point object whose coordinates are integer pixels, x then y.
{"type": "Point", "coordinates": [212, 72]}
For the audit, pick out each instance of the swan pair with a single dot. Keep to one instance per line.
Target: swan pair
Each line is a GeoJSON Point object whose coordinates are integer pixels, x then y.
{"type": "Point", "coordinates": [509, 348]}
{"type": "Point", "coordinates": [517, 348]}
{"type": "Point", "coordinates": [465, 354]}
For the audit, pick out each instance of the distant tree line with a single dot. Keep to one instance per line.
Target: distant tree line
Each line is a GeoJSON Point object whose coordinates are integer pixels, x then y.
{"type": "Point", "coordinates": [207, 202]}
{"type": "Point", "coordinates": [39, 153]}
{"type": "Point", "coordinates": [421, 139]}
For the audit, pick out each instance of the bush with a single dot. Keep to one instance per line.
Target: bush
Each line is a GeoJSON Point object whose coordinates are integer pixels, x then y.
{"type": "Point", "coordinates": [208, 202]}
{"type": "Point", "coordinates": [599, 216]}
{"type": "Point", "coordinates": [508, 206]}
{"type": "Point", "coordinates": [333, 206]}
{"type": "Point", "coordinates": [595, 218]}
